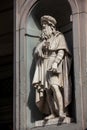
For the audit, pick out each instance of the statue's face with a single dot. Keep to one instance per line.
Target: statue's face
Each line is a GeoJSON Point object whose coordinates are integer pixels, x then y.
{"type": "Point", "coordinates": [46, 30]}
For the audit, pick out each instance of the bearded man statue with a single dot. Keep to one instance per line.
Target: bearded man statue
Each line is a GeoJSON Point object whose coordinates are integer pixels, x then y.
{"type": "Point", "coordinates": [52, 78]}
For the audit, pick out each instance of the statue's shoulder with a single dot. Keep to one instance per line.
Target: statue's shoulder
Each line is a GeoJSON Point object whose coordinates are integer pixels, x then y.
{"type": "Point", "coordinates": [58, 33]}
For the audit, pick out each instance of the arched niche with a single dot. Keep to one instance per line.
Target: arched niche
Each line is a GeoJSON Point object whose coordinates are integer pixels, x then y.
{"type": "Point", "coordinates": [61, 10]}
{"type": "Point", "coordinates": [28, 37]}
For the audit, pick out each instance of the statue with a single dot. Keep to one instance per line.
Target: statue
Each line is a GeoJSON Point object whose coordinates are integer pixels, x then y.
{"type": "Point", "coordinates": [52, 79]}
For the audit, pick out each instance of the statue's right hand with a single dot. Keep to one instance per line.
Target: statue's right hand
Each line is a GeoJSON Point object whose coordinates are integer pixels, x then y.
{"type": "Point", "coordinates": [38, 52]}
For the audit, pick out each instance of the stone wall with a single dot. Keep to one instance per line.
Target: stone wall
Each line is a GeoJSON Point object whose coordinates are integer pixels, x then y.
{"type": "Point", "coordinates": [79, 28]}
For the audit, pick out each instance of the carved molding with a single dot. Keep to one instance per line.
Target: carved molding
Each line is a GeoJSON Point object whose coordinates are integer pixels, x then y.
{"type": "Point", "coordinates": [74, 6]}
{"type": "Point", "coordinates": [78, 6]}
{"type": "Point", "coordinates": [24, 12]}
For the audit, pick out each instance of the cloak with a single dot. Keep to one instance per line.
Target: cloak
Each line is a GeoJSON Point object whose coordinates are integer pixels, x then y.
{"type": "Point", "coordinates": [41, 79]}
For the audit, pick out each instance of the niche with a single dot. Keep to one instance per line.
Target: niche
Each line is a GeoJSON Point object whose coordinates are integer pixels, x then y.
{"type": "Point", "coordinates": [61, 11]}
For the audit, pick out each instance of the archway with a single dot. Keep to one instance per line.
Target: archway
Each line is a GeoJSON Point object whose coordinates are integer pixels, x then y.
{"type": "Point", "coordinates": [61, 10]}
{"type": "Point", "coordinates": [25, 35]}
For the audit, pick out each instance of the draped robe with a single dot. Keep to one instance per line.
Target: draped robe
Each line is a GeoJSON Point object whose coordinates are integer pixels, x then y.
{"type": "Point", "coordinates": [44, 77]}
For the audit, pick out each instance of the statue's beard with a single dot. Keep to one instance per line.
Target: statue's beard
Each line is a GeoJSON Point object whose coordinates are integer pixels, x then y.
{"type": "Point", "coordinates": [45, 35]}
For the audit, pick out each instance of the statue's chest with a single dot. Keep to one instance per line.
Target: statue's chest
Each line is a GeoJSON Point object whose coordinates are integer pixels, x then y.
{"type": "Point", "coordinates": [53, 43]}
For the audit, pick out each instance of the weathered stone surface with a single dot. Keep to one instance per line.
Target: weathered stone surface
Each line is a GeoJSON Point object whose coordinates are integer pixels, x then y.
{"type": "Point", "coordinates": [56, 121]}
{"type": "Point", "coordinates": [79, 19]}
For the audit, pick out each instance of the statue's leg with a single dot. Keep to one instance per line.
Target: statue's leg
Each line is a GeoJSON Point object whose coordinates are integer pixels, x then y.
{"type": "Point", "coordinates": [51, 105]}
{"type": "Point", "coordinates": [59, 99]}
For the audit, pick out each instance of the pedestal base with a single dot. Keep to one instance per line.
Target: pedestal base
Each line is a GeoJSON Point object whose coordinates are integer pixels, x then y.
{"type": "Point", "coordinates": [57, 121]}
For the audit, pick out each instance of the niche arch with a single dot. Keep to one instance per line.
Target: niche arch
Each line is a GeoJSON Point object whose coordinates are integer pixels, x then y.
{"type": "Point", "coordinates": [25, 12]}
{"type": "Point", "coordinates": [32, 35]}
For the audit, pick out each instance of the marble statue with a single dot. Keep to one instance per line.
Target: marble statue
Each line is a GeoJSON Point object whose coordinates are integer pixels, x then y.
{"type": "Point", "coordinates": [52, 80]}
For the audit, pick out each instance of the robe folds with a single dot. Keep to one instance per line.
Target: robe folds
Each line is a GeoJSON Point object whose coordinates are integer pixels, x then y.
{"type": "Point", "coordinates": [44, 77]}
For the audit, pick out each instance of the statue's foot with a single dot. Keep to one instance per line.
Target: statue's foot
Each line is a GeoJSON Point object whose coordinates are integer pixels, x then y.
{"type": "Point", "coordinates": [52, 116]}
{"type": "Point", "coordinates": [62, 115]}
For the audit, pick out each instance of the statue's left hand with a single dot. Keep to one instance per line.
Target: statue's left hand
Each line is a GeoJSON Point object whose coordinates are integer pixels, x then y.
{"type": "Point", "coordinates": [54, 67]}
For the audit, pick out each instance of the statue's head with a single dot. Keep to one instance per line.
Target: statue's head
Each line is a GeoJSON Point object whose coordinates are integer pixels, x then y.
{"type": "Point", "coordinates": [48, 26]}
{"type": "Point", "coordinates": [49, 20]}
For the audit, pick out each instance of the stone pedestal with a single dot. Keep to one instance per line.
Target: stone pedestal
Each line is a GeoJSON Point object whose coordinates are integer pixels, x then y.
{"type": "Point", "coordinates": [55, 121]}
